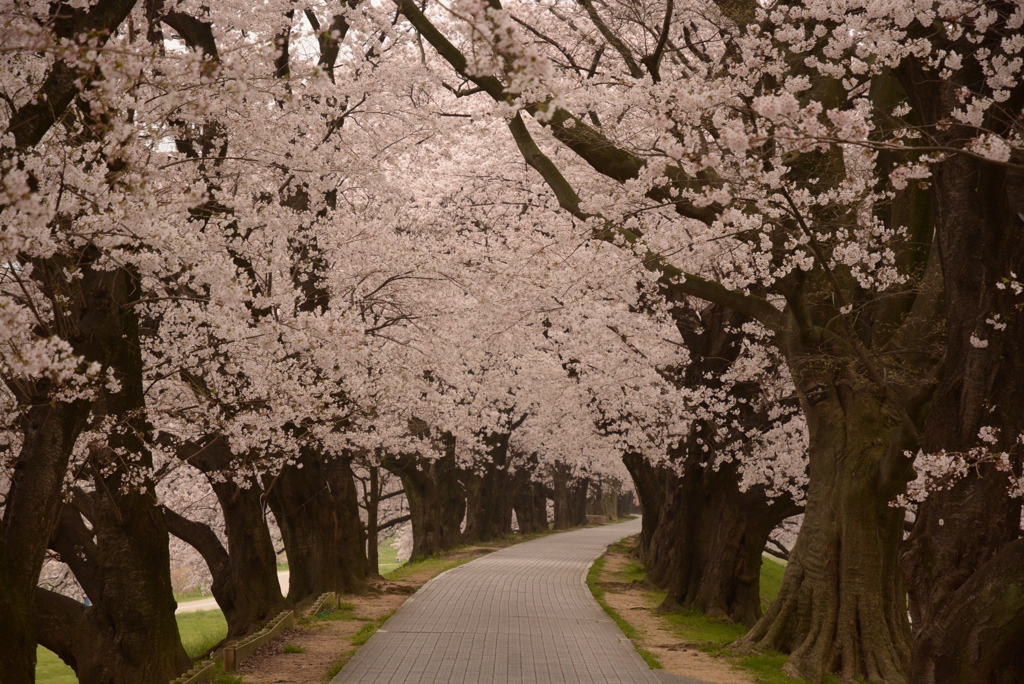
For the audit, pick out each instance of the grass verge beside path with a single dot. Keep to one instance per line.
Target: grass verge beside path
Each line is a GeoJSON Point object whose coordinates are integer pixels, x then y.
{"type": "Point", "coordinates": [688, 630]}
{"type": "Point", "coordinates": [631, 632]}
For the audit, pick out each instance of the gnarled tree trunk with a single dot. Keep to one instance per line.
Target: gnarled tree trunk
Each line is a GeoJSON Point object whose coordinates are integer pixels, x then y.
{"type": "Point", "coordinates": [964, 559]}
{"type": "Point", "coordinates": [488, 504]}
{"type": "Point", "coordinates": [570, 498]}
{"type": "Point", "coordinates": [706, 540]}
{"type": "Point", "coordinates": [245, 582]}
{"type": "Point", "coordinates": [650, 492]}
{"type": "Point", "coordinates": [489, 493]}
{"type": "Point", "coordinates": [129, 633]}
{"type": "Point", "coordinates": [318, 513]}
{"type": "Point", "coordinates": [437, 502]}
{"type": "Point", "coordinates": [842, 606]}
{"type": "Point", "coordinates": [31, 510]}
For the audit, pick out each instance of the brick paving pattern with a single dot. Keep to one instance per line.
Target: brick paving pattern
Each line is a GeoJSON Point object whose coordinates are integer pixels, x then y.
{"type": "Point", "coordinates": [522, 614]}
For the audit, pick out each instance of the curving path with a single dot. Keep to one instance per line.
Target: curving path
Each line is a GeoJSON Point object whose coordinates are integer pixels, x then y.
{"type": "Point", "coordinates": [522, 614]}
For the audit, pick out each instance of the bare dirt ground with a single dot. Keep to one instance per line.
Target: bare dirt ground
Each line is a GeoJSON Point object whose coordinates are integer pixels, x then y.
{"type": "Point", "coordinates": [322, 642]}
{"type": "Point", "coordinates": [635, 604]}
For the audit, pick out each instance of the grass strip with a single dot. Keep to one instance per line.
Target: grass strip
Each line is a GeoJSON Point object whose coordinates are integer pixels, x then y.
{"type": "Point", "coordinates": [631, 632]}
{"type": "Point", "coordinates": [698, 630]}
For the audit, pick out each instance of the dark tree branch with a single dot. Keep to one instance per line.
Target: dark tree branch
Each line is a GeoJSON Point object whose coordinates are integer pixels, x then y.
{"type": "Point", "coordinates": [779, 551]}
{"type": "Point", "coordinates": [200, 537]}
{"type": "Point", "coordinates": [393, 523]}
{"type": "Point", "coordinates": [57, 618]}
{"type": "Point", "coordinates": [627, 56]}
{"type": "Point", "coordinates": [653, 62]}
{"type": "Point", "coordinates": [31, 122]}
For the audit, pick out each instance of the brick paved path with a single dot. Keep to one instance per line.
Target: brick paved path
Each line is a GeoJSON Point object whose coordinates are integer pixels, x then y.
{"type": "Point", "coordinates": [522, 614]}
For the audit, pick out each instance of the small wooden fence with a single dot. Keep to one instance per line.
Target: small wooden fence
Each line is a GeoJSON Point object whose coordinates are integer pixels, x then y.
{"type": "Point", "coordinates": [234, 653]}
{"type": "Point", "coordinates": [203, 672]}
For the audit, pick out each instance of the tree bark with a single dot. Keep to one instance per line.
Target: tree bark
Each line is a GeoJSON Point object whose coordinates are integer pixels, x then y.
{"type": "Point", "coordinates": [570, 498]}
{"type": "Point", "coordinates": [610, 499]}
{"type": "Point", "coordinates": [437, 502]}
{"type": "Point", "coordinates": [95, 323]}
{"type": "Point", "coordinates": [530, 503]}
{"type": "Point", "coordinates": [963, 559]}
{"type": "Point", "coordinates": [129, 633]}
{"type": "Point", "coordinates": [842, 607]}
{"type": "Point", "coordinates": [707, 537]}
{"type": "Point", "coordinates": [651, 499]}
{"type": "Point", "coordinates": [372, 520]}
{"type": "Point", "coordinates": [318, 513]}
{"type": "Point", "coordinates": [32, 508]}
{"type": "Point", "coordinates": [245, 582]}
{"type": "Point", "coordinates": [489, 493]}
{"type": "Point", "coordinates": [488, 504]}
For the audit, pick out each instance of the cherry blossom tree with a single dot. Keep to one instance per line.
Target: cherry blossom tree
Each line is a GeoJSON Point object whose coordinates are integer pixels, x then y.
{"type": "Point", "coordinates": [791, 144]}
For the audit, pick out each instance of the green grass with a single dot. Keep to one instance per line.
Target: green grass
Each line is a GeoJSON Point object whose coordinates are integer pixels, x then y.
{"type": "Point", "coordinates": [201, 630]}
{"type": "Point", "coordinates": [703, 631]}
{"type": "Point", "coordinates": [767, 669]}
{"type": "Point", "coordinates": [387, 557]}
{"type": "Point", "coordinates": [364, 634]}
{"type": "Point", "coordinates": [629, 630]}
{"type": "Point", "coordinates": [771, 578]}
{"type": "Point", "coordinates": [697, 629]}
{"type": "Point", "coordinates": [336, 666]}
{"type": "Point", "coordinates": [357, 639]}
{"type": "Point", "coordinates": [292, 648]}
{"type": "Point", "coordinates": [51, 670]}
{"type": "Point", "coordinates": [436, 564]}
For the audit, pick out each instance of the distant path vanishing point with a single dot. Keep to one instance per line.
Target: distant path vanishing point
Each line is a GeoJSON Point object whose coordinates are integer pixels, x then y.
{"type": "Point", "coordinates": [522, 614]}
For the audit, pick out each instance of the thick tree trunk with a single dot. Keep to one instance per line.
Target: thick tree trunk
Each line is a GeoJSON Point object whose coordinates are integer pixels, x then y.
{"type": "Point", "coordinates": [123, 561]}
{"type": "Point", "coordinates": [610, 499]}
{"type": "Point", "coordinates": [570, 498]}
{"type": "Point", "coordinates": [91, 317]}
{"type": "Point", "coordinates": [129, 633]}
{"type": "Point", "coordinates": [650, 492]}
{"type": "Point", "coordinates": [842, 607]}
{"type": "Point", "coordinates": [489, 498]}
{"type": "Point", "coordinates": [437, 502]}
{"type": "Point", "coordinates": [967, 586]}
{"type": "Point", "coordinates": [964, 561]}
{"type": "Point", "coordinates": [706, 542]}
{"type": "Point", "coordinates": [488, 505]}
{"type": "Point", "coordinates": [97, 322]}
{"type": "Point", "coordinates": [245, 576]}
{"type": "Point", "coordinates": [250, 592]}
{"type": "Point", "coordinates": [318, 513]}
{"type": "Point", "coordinates": [560, 497]}
{"type": "Point", "coordinates": [372, 521]}
{"type": "Point", "coordinates": [245, 582]}
{"type": "Point", "coordinates": [530, 504]}
{"type": "Point", "coordinates": [30, 513]}
{"type": "Point", "coordinates": [489, 490]}
{"type": "Point", "coordinates": [579, 490]}
{"type": "Point", "coordinates": [627, 503]}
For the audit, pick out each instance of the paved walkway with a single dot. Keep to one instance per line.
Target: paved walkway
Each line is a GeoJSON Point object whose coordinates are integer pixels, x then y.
{"type": "Point", "coordinates": [522, 614]}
